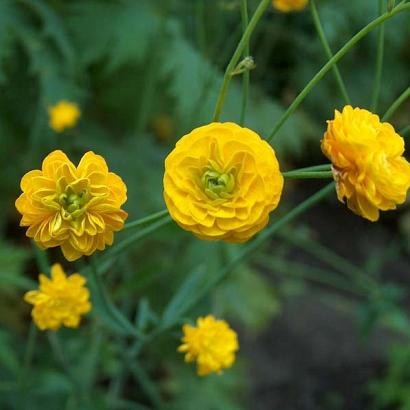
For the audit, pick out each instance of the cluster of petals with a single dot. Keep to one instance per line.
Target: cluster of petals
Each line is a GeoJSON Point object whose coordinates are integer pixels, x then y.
{"type": "Point", "coordinates": [368, 165]}
{"type": "Point", "coordinates": [60, 300]}
{"type": "Point", "coordinates": [289, 5]}
{"type": "Point", "coordinates": [221, 181]}
{"type": "Point", "coordinates": [77, 208]}
{"type": "Point", "coordinates": [63, 115]}
{"type": "Point", "coordinates": [211, 343]}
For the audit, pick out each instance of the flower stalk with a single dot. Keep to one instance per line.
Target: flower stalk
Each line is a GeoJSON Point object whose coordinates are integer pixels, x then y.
{"type": "Point", "coordinates": [263, 5]}
{"type": "Point", "coordinates": [329, 65]}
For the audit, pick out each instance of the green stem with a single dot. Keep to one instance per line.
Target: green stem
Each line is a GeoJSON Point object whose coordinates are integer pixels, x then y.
{"type": "Point", "coordinates": [146, 384]}
{"type": "Point", "coordinates": [237, 55]}
{"type": "Point", "coordinates": [328, 66]}
{"type": "Point", "coordinates": [332, 259]}
{"type": "Point", "coordinates": [146, 219]}
{"type": "Point", "coordinates": [406, 130]}
{"type": "Point", "coordinates": [306, 272]}
{"type": "Point", "coordinates": [323, 167]}
{"type": "Point", "coordinates": [25, 368]}
{"type": "Point", "coordinates": [328, 51]}
{"type": "Point", "coordinates": [396, 104]}
{"type": "Point", "coordinates": [59, 354]}
{"type": "Point", "coordinates": [379, 63]}
{"type": "Point", "coordinates": [240, 257]}
{"type": "Point", "coordinates": [249, 249]}
{"type": "Point", "coordinates": [41, 259]}
{"type": "Point", "coordinates": [246, 74]}
{"type": "Point", "coordinates": [127, 242]}
{"type": "Point", "coordinates": [106, 303]}
{"type": "Point", "coordinates": [308, 175]}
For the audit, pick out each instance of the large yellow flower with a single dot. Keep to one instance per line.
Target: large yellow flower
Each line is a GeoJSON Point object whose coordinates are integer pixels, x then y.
{"type": "Point", "coordinates": [289, 5]}
{"type": "Point", "coordinates": [212, 344]}
{"type": "Point", "coordinates": [77, 208]}
{"type": "Point", "coordinates": [63, 115]}
{"type": "Point", "coordinates": [370, 171]}
{"type": "Point", "coordinates": [221, 182]}
{"type": "Point", "coordinates": [60, 301]}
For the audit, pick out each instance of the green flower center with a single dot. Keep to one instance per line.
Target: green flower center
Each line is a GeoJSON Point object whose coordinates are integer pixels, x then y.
{"type": "Point", "coordinates": [218, 184]}
{"type": "Point", "coordinates": [73, 202]}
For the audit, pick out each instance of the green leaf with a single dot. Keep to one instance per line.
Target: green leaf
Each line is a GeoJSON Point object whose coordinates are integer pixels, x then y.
{"type": "Point", "coordinates": [12, 261]}
{"type": "Point", "coordinates": [249, 298]}
{"type": "Point", "coordinates": [128, 29]}
{"type": "Point", "coordinates": [181, 301]}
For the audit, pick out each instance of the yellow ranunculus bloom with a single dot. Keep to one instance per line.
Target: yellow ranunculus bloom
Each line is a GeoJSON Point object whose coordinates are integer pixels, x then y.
{"type": "Point", "coordinates": [63, 115]}
{"type": "Point", "coordinates": [60, 301]}
{"type": "Point", "coordinates": [77, 208]}
{"type": "Point", "coordinates": [212, 344]}
{"type": "Point", "coordinates": [289, 5]}
{"type": "Point", "coordinates": [221, 181]}
{"type": "Point", "coordinates": [370, 171]}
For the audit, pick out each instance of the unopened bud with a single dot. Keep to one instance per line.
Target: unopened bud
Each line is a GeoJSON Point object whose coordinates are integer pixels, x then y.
{"type": "Point", "coordinates": [247, 64]}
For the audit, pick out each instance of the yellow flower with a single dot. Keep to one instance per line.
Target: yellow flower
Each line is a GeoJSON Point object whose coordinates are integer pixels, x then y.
{"type": "Point", "coordinates": [63, 115]}
{"type": "Point", "coordinates": [370, 171]}
{"type": "Point", "coordinates": [289, 5]}
{"type": "Point", "coordinates": [60, 301]}
{"type": "Point", "coordinates": [212, 344]}
{"type": "Point", "coordinates": [77, 208]}
{"type": "Point", "coordinates": [221, 182]}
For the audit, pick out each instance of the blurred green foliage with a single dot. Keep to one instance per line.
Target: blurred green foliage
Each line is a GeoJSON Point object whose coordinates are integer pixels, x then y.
{"type": "Point", "coordinates": [145, 72]}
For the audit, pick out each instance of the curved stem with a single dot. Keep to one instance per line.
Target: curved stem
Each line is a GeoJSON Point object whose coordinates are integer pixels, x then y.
{"type": "Point", "coordinates": [406, 130]}
{"type": "Point", "coordinates": [249, 249]}
{"type": "Point", "coordinates": [396, 104]}
{"type": "Point", "coordinates": [379, 62]}
{"type": "Point", "coordinates": [308, 175]}
{"type": "Point", "coordinates": [237, 55]}
{"type": "Point", "coordinates": [125, 243]}
{"type": "Point", "coordinates": [328, 51]}
{"type": "Point", "coordinates": [106, 303]}
{"type": "Point", "coordinates": [246, 74]}
{"type": "Point", "coordinates": [146, 219]}
{"type": "Point", "coordinates": [323, 167]}
{"type": "Point", "coordinates": [328, 66]}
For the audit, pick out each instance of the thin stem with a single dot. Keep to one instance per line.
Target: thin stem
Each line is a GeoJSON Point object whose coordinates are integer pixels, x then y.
{"type": "Point", "coordinates": [125, 243]}
{"type": "Point", "coordinates": [306, 272]}
{"type": "Point", "coordinates": [246, 74]}
{"type": "Point", "coordinates": [41, 259]}
{"type": "Point", "coordinates": [396, 104]}
{"type": "Point", "coordinates": [25, 368]}
{"type": "Point", "coordinates": [328, 66]}
{"type": "Point", "coordinates": [146, 219]}
{"type": "Point", "coordinates": [249, 249]}
{"type": "Point", "coordinates": [328, 51]}
{"type": "Point", "coordinates": [237, 55]}
{"type": "Point", "coordinates": [379, 62]}
{"type": "Point", "coordinates": [106, 303]}
{"type": "Point", "coordinates": [324, 167]}
{"type": "Point", "coordinates": [331, 258]}
{"type": "Point", "coordinates": [405, 131]}
{"type": "Point", "coordinates": [28, 355]}
{"type": "Point", "coordinates": [240, 257]}
{"type": "Point", "coordinates": [59, 354]}
{"type": "Point", "coordinates": [308, 175]}
{"type": "Point", "coordinates": [144, 381]}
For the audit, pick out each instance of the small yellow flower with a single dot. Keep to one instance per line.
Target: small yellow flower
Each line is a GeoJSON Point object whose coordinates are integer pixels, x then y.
{"type": "Point", "coordinates": [212, 344]}
{"type": "Point", "coordinates": [77, 208]}
{"type": "Point", "coordinates": [289, 5]}
{"type": "Point", "coordinates": [63, 115]}
{"type": "Point", "coordinates": [60, 301]}
{"type": "Point", "coordinates": [221, 181]}
{"type": "Point", "coordinates": [370, 171]}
